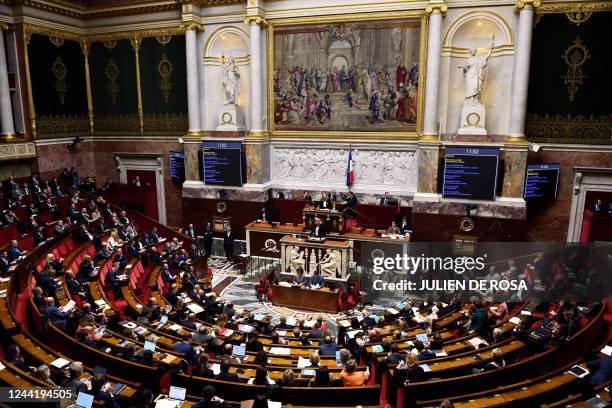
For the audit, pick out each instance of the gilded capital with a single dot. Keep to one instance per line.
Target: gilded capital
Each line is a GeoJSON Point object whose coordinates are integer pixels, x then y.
{"type": "Point", "coordinates": [526, 4]}
{"type": "Point", "coordinates": [4, 26]}
{"type": "Point", "coordinates": [193, 26]}
{"type": "Point", "coordinates": [436, 7]}
{"type": "Point", "coordinates": [255, 20]}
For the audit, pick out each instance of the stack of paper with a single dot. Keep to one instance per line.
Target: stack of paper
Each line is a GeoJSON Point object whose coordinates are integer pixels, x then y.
{"type": "Point", "coordinates": [303, 362]}
{"type": "Point", "coordinates": [60, 363]}
{"type": "Point", "coordinates": [607, 350]}
{"type": "Point", "coordinates": [280, 351]}
{"type": "Point", "coordinates": [344, 323]}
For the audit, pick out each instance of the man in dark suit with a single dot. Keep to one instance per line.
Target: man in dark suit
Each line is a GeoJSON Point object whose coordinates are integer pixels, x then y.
{"type": "Point", "coordinates": [83, 217]}
{"type": "Point", "coordinates": [386, 199]}
{"type": "Point", "coordinates": [208, 239]}
{"type": "Point", "coordinates": [598, 207]}
{"type": "Point", "coordinates": [113, 280]}
{"type": "Point", "coordinates": [228, 243]}
{"type": "Point", "coordinates": [75, 372]}
{"type": "Point", "coordinates": [86, 271]}
{"type": "Point", "coordinates": [191, 232]}
{"type": "Point", "coordinates": [405, 226]}
{"type": "Point", "coordinates": [329, 347]}
{"type": "Point", "coordinates": [14, 251]}
{"type": "Point", "coordinates": [45, 281]}
{"type": "Point", "coordinates": [55, 316]}
{"type": "Point", "coordinates": [264, 216]}
{"type": "Point", "coordinates": [318, 230]}
{"type": "Point", "coordinates": [351, 200]}
{"type": "Point", "coordinates": [153, 237]}
{"type": "Point", "coordinates": [166, 275]}
{"type": "Point", "coordinates": [121, 259]}
{"type": "Point", "coordinates": [316, 332]}
{"type": "Point", "coordinates": [224, 373]}
{"type": "Point", "coordinates": [254, 344]}
{"type": "Point", "coordinates": [172, 295]}
{"type": "Point", "coordinates": [4, 262]}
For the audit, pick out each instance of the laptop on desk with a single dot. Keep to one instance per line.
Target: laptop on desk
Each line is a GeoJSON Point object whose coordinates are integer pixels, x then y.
{"type": "Point", "coordinates": [84, 400]}
{"type": "Point", "coordinates": [177, 394]}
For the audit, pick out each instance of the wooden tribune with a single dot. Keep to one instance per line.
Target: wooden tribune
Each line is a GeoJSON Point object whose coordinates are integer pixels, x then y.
{"type": "Point", "coordinates": [322, 300]}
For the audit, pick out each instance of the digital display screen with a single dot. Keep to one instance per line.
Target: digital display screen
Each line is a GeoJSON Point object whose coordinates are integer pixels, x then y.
{"type": "Point", "coordinates": [222, 163]}
{"type": "Point", "coordinates": [541, 181]}
{"type": "Point", "coordinates": [470, 172]}
{"type": "Point", "coordinates": [177, 165]}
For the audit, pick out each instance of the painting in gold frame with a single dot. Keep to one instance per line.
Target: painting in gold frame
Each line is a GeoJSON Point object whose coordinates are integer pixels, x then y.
{"type": "Point", "coordinates": [354, 76]}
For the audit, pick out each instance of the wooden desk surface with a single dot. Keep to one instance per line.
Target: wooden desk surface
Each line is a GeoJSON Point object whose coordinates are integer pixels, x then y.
{"type": "Point", "coordinates": [323, 300]}
{"type": "Point", "coordinates": [324, 243]}
{"type": "Point", "coordinates": [290, 228]}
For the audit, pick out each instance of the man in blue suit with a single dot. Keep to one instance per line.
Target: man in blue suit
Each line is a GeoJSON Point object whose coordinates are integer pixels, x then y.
{"type": "Point", "coordinates": [317, 279]}
{"type": "Point", "coordinates": [14, 252]}
{"type": "Point", "coordinates": [113, 280]}
{"type": "Point", "coordinates": [53, 314]}
{"type": "Point", "coordinates": [329, 347]}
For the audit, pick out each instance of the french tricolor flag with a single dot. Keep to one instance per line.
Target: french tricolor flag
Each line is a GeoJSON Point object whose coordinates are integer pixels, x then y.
{"type": "Point", "coordinates": [350, 173]}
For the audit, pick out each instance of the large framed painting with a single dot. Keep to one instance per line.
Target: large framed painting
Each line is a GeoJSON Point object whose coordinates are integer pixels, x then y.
{"type": "Point", "coordinates": [361, 75]}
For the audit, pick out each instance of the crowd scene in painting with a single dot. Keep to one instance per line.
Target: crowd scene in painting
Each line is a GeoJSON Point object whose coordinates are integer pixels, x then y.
{"type": "Point", "coordinates": [303, 95]}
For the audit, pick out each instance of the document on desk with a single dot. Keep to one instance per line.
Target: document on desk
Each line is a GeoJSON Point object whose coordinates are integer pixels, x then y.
{"type": "Point", "coordinates": [303, 362]}
{"type": "Point", "coordinates": [280, 351]}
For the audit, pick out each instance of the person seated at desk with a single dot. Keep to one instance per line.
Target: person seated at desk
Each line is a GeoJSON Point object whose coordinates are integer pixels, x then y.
{"type": "Point", "coordinates": [299, 279]}
{"type": "Point", "coordinates": [393, 229]}
{"type": "Point", "coordinates": [264, 215]}
{"type": "Point", "coordinates": [325, 202]}
{"type": "Point", "coordinates": [102, 391]}
{"type": "Point", "coordinates": [334, 197]}
{"type": "Point", "coordinates": [316, 280]}
{"type": "Point", "coordinates": [405, 226]}
{"type": "Point", "coordinates": [386, 199]}
{"type": "Point", "coordinates": [319, 230]}
{"type": "Point", "coordinates": [306, 196]}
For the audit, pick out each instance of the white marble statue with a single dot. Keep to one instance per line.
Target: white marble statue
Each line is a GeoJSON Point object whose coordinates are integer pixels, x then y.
{"type": "Point", "coordinates": [474, 71]}
{"type": "Point", "coordinates": [330, 263]}
{"type": "Point", "coordinates": [231, 81]}
{"type": "Point", "coordinates": [297, 260]}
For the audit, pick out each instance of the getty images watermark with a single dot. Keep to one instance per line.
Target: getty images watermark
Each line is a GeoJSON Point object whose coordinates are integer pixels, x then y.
{"type": "Point", "coordinates": [411, 265]}
{"type": "Point", "coordinates": [503, 271]}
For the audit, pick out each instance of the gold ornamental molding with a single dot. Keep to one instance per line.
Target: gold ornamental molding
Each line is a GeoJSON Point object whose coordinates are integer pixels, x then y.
{"type": "Point", "coordinates": [574, 7]}
{"type": "Point", "coordinates": [211, 3]}
{"type": "Point", "coordinates": [82, 12]}
{"type": "Point", "coordinates": [17, 151]}
{"type": "Point", "coordinates": [192, 26]}
{"type": "Point", "coordinates": [436, 7]}
{"type": "Point", "coordinates": [108, 39]}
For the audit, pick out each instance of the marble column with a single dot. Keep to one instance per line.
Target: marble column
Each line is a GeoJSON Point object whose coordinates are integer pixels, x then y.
{"type": "Point", "coordinates": [6, 109]}
{"type": "Point", "coordinates": [515, 165]}
{"type": "Point", "coordinates": [200, 42]}
{"type": "Point", "coordinates": [257, 78]}
{"type": "Point", "coordinates": [520, 76]}
{"type": "Point", "coordinates": [432, 82]}
{"type": "Point", "coordinates": [193, 91]}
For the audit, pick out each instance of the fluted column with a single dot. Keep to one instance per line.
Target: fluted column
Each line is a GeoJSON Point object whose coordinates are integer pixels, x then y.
{"type": "Point", "coordinates": [257, 78]}
{"type": "Point", "coordinates": [436, 10]}
{"type": "Point", "coordinates": [6, 108]}
{"type": "Point", "coordinates": [193, 84]}
{"type": "Point", "coordinates": [520, 76]}
{"type": "Point", "coordinates": [201, 78]}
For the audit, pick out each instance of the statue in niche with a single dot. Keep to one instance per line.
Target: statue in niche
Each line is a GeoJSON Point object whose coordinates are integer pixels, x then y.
{"type": "Point", "coordinates": [475, 72]}
{"type": "Point", "coordinates": [231, 81]}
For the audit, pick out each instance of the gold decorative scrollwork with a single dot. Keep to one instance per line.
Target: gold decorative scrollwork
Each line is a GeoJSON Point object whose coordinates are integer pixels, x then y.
{"type": "Point", "coordinates": [60, 71]}
{"type": "Point", "coordinates": [578, 17]}
{"type": "Point", "coordinates": [111, 71]}
{"type": "Point", "coordinates": [575, 129]}
{"type": "Point", "coordinates": [110, 44]}
{"type": "Point", "coordinates": [163, 39]}
{"type": "Point", "coordinates": [574, 56]}
{"type": "Point", "coordinates": [165, 69]}
{"type": "Point", "coordinates": [57, 41]}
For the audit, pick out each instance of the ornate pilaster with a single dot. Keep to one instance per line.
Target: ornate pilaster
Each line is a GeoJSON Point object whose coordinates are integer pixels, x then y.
{"type": "Point", "coordinates": [32, 111]}
{"type": "Point", "coordinates": [435, 10]}
{"type": "Point", "coordinates": [193, 83]}
{"type": "Point", "coordinates": [85, 47]}
{"type": "Point", "coordinates": [6, 108]}
{"type": "Point", "coordinates": [136, 41]}
{"type": "Point", "coordinates": [515, 166]}
{"type": "Point", "coordinates": [520, 76]}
